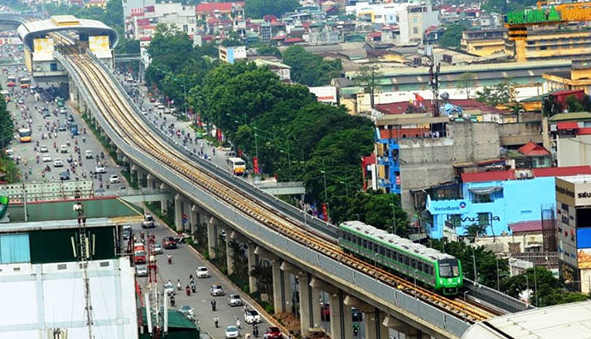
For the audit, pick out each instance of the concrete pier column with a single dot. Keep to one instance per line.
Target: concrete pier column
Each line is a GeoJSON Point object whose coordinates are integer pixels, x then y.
{"type": "Point", "coordinates": [229, 253]}
{"type": "Point", "coordinates": [316, 317]}
{"type": "Point", "coordinates": [278, 301]}
{"type": "Point", "coordinates": [212, 235]}
{"type": "Point", "coordinates": [164, 206]}
{"type": "Point", "coordinates": [193, 219]}
{"type": "Point", "coordinates": [374, 329]}
{"type": "Point", "coordinates": [318, 286]}
{"type": "Point", "coordinates": [151, 181]}
{"type": "Point", "coordinates": [178, 212]}
{"type": "Point", "coordinates": [306, 302]}
{"type": "Point", "coordinates": [287, 293]}
{"type": "Point", "coordinates": [409, 331]}
{"type": "Point", "coordinates": [337, 315]}
{"type": "Point", "coordinates": [252, 262]}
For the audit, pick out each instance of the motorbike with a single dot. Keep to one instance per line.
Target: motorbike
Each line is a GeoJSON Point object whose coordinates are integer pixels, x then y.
{"type": "Point", "coordinates": [188, 289]}
{"type": "Point", "coordinates": [172, 301]}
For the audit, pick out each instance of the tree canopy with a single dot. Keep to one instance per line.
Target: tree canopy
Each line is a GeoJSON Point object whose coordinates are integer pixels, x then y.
{"type": "Point", "coordinates": [310, 69]}
{"type": "Point", "coordinates": [259, 8]}
{"type": "Point", "coordinates": [452, 35]}
{"type": "Point", "coordinates": [6, 124]}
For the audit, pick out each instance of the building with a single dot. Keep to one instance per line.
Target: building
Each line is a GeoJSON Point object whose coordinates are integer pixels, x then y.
{"type": "Point", "coordinates": [532, 155]}
{"type": "Point", "coordinates": [418, 151]}
{"type": "Point", "coordinates": [501, 202]}
{"type": "Point", "coordinates": [577, 78]}
{"type": "Point", "coordinates": [573, 220]}
{"type": "Point", "coordinates": [142, 23]}
{"type": "Point", "coordinates": [484, 42]}
{"type": "Point", "coordinates": [97, 3]}
{"type": "Point", "coordinates": [282, 70]}
{"type": "Point", "coordinates": [219, 10]}
{"type": "Point", "coordinates": [135, 7]}
{"type": "Point", "coordinates": [326, 94]}
{"type": "Point", "coordinates": [571, 138]}
{"type": "Point", "coordinates": [232, 54]}
{"type": "Point", "coordinates": [545, 44]}
{"type": "Point", "coordinates": [415, 20]}
{"type": "Point", "coordinates": [42, 281]}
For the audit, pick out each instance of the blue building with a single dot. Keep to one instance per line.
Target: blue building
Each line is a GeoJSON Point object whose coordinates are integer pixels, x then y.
{"type": "Point", "coordinates": [497, 200]}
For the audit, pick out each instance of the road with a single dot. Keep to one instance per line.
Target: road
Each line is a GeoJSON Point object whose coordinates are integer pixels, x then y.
{"type": "Point", "coordinates": [184, 263]}
{"type": "Point", "coordinates": [26, 115]}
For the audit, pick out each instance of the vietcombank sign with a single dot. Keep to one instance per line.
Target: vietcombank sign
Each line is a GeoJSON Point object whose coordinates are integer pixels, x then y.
{"type": "Point", "coordinates": [548, 15]}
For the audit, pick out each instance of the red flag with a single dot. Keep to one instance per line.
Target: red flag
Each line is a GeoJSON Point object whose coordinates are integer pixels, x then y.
{"type": "Point", "coordinates": [419, 98]}
{"type": "Point", "coordinates": [325, 211]}
{"type": "Point", "coordinates": [255, 164]}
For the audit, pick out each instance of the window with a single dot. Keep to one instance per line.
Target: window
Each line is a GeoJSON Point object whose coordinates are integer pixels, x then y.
{"type": "Point", "coordinates": [14, 248]}
{"type": "Point", "coordinates": [364, 243]}
{"type": "Point", "coordinates": [481, 198]}
{"type": "Point", "coordinates": [415, 30]}
{"type": "Point", "coordinates": [484, 219]}
{"type": "Point", "coordinates": [454, 220]}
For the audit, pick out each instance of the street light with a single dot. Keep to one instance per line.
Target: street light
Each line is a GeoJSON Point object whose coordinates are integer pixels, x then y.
{"type": "Point", "coordinates": [393, 227]}
{"type": "Point", "coordinates": [346, 187]}
{"type": "Point", "coordinates": [325, 191]}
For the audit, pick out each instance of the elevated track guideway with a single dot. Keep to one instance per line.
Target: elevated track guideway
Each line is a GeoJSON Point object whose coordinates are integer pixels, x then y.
{"type": "Point", "coordinates": [138, 141]}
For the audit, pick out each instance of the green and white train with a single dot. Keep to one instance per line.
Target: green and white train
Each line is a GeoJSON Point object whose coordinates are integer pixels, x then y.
{"type": "Point", "coordinates": [440, 271]}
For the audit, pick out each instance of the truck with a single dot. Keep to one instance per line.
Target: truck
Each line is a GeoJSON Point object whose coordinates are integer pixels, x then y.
{"type": "Point", "coordinates": [139, 253]}
{"type": "Point", "coordinates": [74, 129]}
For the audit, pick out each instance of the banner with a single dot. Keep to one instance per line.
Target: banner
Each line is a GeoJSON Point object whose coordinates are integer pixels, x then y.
{"type": "Point", "coordinates": [255, 164]}
{"type": "Point", "coordinates": [325, 211]}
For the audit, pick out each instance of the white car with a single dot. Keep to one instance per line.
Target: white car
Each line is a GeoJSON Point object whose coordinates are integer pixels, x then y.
{"type": "Point", "coordinates": [187, 310]}
{"type": "Point", "coordinates": [169, 288]}
{"type": "Point", "coordinates": [235, 300]}
{"type": "Point", "coordinates": [202, 272]}
{"type": "Point", "coordinates": [100, 169]}
{"type": "Point", "coordinates": [252, 317]}
{"type": "Point", "coordinates": [88, 154]}
{"type": "Point", "coordinates": [43, 149]}
{"type": "Point", "coordinates": [158, 249]}
{"type": "Point", "coordinates": [46, 158]}
{"type": "Point", "coordinates": [63, 149]}
{"type": "Point", "coordinates": [114, 179]}
{"type": "Point", "coordinates": [57, 162]}
{"type": "Point", "coordinates": [232, 332]}
{"type": "Point", "coordinates": [141, 271]}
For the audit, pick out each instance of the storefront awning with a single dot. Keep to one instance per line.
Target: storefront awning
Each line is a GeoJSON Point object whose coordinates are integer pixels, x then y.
{"type": "Point", "coordinates": [485, 190]}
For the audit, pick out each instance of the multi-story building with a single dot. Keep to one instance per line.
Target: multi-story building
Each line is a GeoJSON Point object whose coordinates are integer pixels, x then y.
{"type": "Point", "coordinates": [414, 20]}
{"type": "Point", "coordinates": [219, 10]}
{"type": "Point", "coordinates": [484, 42]}
{"type": "Point", "coordinates": [282, 70]}
{"type": "Point", "coordinates": [573, 231]}
{"type": "Point", "coordinates": [143, 22]}
{"type": "Point", "coordinates": [232, 54]}
{"type": "Point", "coordinates": [96, 3]}
{"type": "Point", "coordinates": [577, 78]}
{"type": "Point", "coordinates": [135, 7]}
{"type": "Point", "coordinates": [500, 202]}
{"type": "Point", "coordinates": [553, 44]}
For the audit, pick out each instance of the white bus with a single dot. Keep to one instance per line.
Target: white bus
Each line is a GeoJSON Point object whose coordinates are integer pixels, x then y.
{"type": "Point", "coordinates": [237, 166]}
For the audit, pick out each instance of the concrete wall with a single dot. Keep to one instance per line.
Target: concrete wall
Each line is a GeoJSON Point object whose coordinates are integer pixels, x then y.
{"type": "Point", "coordinates": [574, 151]}
{"type": "Point", "coordinates": [519, 134]}
{"type": "Point", "coordinates": [428, 162]}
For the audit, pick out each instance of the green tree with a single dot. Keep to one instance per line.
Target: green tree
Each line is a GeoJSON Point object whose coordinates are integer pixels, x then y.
{"type": "Point", "coordinates": [452, 36]}
{"type": "Point", "coordinates": [259, 8]}
{"type": "Point", "coordinates": [368, 77]}
{"type": "Point", "coordinates": [500, 94]}
{"type": "Point", "coordinates": [573, 104]}
{"type": "Point", "coordinates": [310, 69]}
{"type": "Point", "coordinates": [475, 230]}
{"type": "Point", "coordinates": [268, 50]}
{"type": "Point", "coordinates": [6, 125]}
{"type": "Point", "coordinates": [466, 81]}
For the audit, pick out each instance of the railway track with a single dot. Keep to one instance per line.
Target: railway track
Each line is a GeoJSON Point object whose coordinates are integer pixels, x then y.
{"type": "Point", "coordinates": [123, 120]}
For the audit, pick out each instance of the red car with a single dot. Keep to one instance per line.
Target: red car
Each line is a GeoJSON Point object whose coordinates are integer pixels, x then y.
{"type": "Point", "coordinates": [325, 312]}
{"type": "Point", "coordinates": [169, 242]}
{"type": "Point", "coordinates": [152, 99]}
{"type": "Point", "coordinates": [273, 333]}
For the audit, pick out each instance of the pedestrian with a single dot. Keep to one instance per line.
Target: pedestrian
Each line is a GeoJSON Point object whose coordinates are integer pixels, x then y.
{"type": "Point", "coordinates": [216, 321]}
{"type": "Point", "coordinates": [238, 322]}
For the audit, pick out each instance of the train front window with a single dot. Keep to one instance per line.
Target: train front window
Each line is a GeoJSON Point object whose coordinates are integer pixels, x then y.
{"type": "Point", "coordinates": [449, 268]}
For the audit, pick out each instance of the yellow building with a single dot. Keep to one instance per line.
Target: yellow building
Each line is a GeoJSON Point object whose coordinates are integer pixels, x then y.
{"type": "Point", "coordinates": [97, 3]}
{"type": "Point", "coordinates": [579, 77]}
{"type": "Point", "coordinates": [553, 44]}
{"type": "Point", "coordinates": [484, 42]}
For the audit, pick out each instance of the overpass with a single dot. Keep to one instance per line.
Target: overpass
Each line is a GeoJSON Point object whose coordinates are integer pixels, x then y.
{"type": "Point", "coordinates": [295, 244]}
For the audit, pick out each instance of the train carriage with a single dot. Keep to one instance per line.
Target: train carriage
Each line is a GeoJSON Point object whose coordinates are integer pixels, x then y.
{"type": "Point", "coordinates": [438, 270]}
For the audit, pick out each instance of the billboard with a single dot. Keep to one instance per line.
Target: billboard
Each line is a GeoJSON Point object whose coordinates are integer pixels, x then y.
{"type": "Point", "coordinates": [584, 258]}
{"type": "Point", "coordinates": [43, 49]}
{"type": "Point", "coordinates": [99, 45]}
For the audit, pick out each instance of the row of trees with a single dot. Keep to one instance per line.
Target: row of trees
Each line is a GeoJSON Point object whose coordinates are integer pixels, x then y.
{"type": "Point", "coordinates": [310, 69]}
{"type": "Point", "coordinates": [6, 124]}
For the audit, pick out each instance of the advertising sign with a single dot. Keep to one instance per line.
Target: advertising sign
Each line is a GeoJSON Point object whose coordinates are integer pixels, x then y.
{"type": "Point", "coordinates": [255, 164]}
{"type": "Point", "coordinates": [325, 211]}
{"type": "Point", "coordinates": [99, 45]}
{"type": "Point", "coordinates": [584, 258]}
{"type": "Point", "coordinates": [532, 16]}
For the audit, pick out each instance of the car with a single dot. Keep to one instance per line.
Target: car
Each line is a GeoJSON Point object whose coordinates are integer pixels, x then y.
{"type": "Point", "coordinates": [356, 314]}
{"type": "Point", "coordinates": [152, 99]}
{"type": "Point", "coordinates": [325, 312]}
{"type": "Point", "coordinates": [144, 112]}
{"type": "Point", "coordinates": [187, 310]}
{"type": "Point", "coordinates": [46, 158]}
{"type": "Point", "coordinates": [63, 149]}
{"type": "Point", "coordinates": [126, 232]}
{"type": "Point", "coordinates": [62, 127]}
{"type": "Point", "coordinates": [65, 175]}
{"type": "Point", "coordinates": [166, 110]}
{"type": "Point", "coordinates": [161, 106]}
{"type": "Point", "coordinates": [148, 221]}
{"type": "Point", "coordinates": [21, 101]}
{"type": "Point", "coordinates": [114, 179]}
{"type": "Point", "coordinates": [63, 111]}
{"type": "Point", "coordinates": [202, 272]}
{"type": "Point", "coordinates": [169, 288]}
{"type": "Point", "coordinates": [235, 300]}
{"type": "Point", "coordinates": [141, 271]}
{"type": "Point", "coordinates": [88, 154]}
{"type": "Point", "coordinates": [43, 149]}
{"type": "Point", "coordinates": [57, 162]}
{"type": "Point", "coordinates": [169, 243]}
{"type": "Point", "coordinates": [100, 169]}
{"type": "Point", "coordinates": [273, 333]}
{"type": "Point", "coordinates": [45, 109]}
{"type": "Point", "coordinates": [70, 118]}
{"type": "Point", "coordinates": [216, 290]}
{"type": "Point", "coordinates": [232, 332]}
{"type": "Point", "coordinates": [252, 317]}
{"type": "Point", "coordinates": [158, 249]}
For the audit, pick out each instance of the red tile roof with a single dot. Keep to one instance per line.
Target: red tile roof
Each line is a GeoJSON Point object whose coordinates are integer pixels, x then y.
{"type": "Point", "coordinates": [293, 40]}
{"type": "Point", "coordinates": [220, 6]}
{"type": "Point", "coordinates": [526, 226]}
{"type": "Point", "coordinates": [533, 149]}
{"type": "Point", "coordinates": [374, 34]}
{"type": "Point", "coordinates": [561, 171]}
{"type": "Point", "coordinates": [467, 104]}
{"type": "Point", "coordinates": [488, 176]}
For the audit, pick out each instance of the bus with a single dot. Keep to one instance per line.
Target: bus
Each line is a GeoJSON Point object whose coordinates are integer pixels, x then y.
{"type": "Point", "coordinates": [24, 135]}
{"type": "Point", "coordinates": [237, 165]}
{"type": "Point", "coordinates": [139, 253]}
{"type": "Point", "coordinates": [25, 82]}
{"type": "Point", "coordinates": [11, 81]}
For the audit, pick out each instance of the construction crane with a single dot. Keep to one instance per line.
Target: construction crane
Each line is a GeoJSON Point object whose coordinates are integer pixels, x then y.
{"type": "Point", "coordinates": [545, 13]}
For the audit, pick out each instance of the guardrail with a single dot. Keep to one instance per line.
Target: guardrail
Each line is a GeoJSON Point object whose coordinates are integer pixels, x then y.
{"type": "Point", "coordinates": [496, 298]}
{"type": "Point", "coordinates": [286, 209]}
{"type": "Point", "coordinates": [356, 283]}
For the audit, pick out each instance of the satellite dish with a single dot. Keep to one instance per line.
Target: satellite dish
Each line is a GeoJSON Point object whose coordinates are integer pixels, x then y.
{"type": "Point", "coordinates": [445, 96]}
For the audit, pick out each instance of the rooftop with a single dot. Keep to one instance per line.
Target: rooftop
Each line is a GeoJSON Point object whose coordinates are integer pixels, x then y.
{"type": "Point", "coordinates": [575, 116]}
{"type": "Point", "coordinates": [533, 149]}
{"type": "Point", "coordinates": [217, 6]}
{"type": "Point", "coordinates": [567, 171]}
{"type": "Point", "coordinates": [527, 226]}
{"type": "Point", "coordinates": [578, 179]}
{"type": "Point", "coordinates": [466, 104]}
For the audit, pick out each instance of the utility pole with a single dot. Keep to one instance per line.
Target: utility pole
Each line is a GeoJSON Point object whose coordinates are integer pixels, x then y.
{"type": "Point", "coordinates": [474, 264]}
{"type": "Point", "coordinates": [84, 250]}
{"type": "Point", "coordinates": [434, 68]}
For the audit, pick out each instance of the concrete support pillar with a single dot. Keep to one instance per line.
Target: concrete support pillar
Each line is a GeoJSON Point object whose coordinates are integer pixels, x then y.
{"type": "Point", "coordinates": [178, 212]}
{"type": "Point", "coordinates": [317, 287]}
{"type": "Point", "coordinates": [409, 331]}
{"type": "Point", "coordinates": [288, 269]}
{"type": "Point", "coordinates": [229, 253]}
{"type": "Point", "coordinates": [151, 181]}
{"type": "Point", "coordinates": [316, 317]}
{"type": "Point", "coordinates": [306, 303]}
{"type": "Point", "coordinates": [278, 302]}
{"type": "Point", "coordinates": [374, 329]}
{"type": "Point", "coordinates": [252, 262]}
{"type": "Point", "coordinates": [164, 205]}
{"type": "Point", "coordinates": [193, 219]}
{"type": "Point", "coordinates": [140, 178]}
{"type": "Point", "coordinates": [212, 235]}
